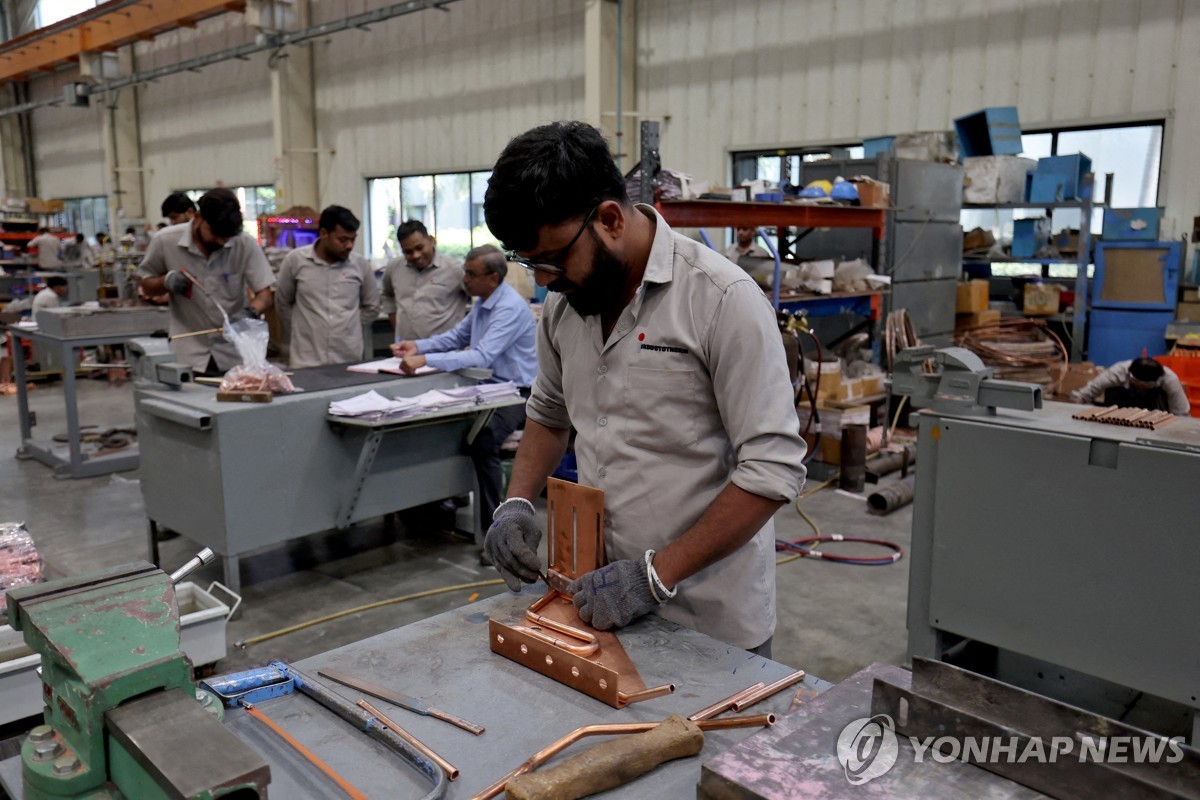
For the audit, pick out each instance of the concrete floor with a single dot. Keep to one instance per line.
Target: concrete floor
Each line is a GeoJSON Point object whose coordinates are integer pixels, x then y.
{"type": "Point", "coordinates": [833, 619]}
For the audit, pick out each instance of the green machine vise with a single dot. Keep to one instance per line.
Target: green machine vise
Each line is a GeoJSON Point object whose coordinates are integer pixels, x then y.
{"type": "Point", "coordinates": [123, 718]}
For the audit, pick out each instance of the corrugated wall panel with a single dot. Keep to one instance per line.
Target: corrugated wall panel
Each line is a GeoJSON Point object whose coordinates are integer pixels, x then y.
{"type": "Point", "coordinates": [1157, 39]}
{"type": "Point", "coordinates": [68, 147]}
{"type": "Point", "coordinates": [1112, 59]}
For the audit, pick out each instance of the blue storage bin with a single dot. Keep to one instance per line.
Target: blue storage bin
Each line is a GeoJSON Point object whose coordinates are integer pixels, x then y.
{"type": "Point", "coordinates": [1131, 224]}
{"type": "Point", "coordinates": [1030, 236]}
{"type": "Point", "coordinates": [1121, 335]}
{"type": "Point", "coordinates": [877, 145]}
{"type": "Point", "coordinates": [1058, 179]}
{"type": "Point", "coordinates": [989, 132]}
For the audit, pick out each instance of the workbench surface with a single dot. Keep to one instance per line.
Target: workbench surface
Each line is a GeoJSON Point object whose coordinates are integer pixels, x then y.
{"type": "Point", "coordinates": [445, 661]}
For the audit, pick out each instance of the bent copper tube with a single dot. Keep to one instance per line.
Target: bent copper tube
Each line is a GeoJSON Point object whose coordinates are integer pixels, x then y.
{"type": "Point", "coordinates": [591, 644]}
{"type": "Point", "coordinates": [553, 749]}
{"type": "Point", "coordinates": [450, 770]}
{"type": "Point", "coordinates": [722, 706]}
{"type": "Point", "coordinates": [768, 690]}
{"type": "Point", "coordinates": [645, 694]}
{"type": "Point", "coordinates": [578, 649]}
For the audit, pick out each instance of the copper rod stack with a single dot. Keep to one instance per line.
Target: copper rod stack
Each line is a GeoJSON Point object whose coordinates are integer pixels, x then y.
{"type": "Point", "coordinates": [1126, 417]}
{"type": "Point", "coordinates": [778, 686]}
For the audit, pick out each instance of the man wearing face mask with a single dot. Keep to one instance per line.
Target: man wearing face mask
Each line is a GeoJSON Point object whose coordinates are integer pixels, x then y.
{"type": "Point", "coordinates": [667, 361]}
{"type": "Point", "coordinates": [203, 263]}
{"type": "Point", "coordinates": [327, 294]}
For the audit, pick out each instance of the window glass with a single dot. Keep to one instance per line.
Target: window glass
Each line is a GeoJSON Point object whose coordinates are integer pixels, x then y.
{"type": "Point", "coordinates": [52, 11]}
{"type": "Point", "coordinates": [453, 202]}
{"type": "Point", "coordinates": [480, 233]}
{"type": "Point", "coordinates": [383, 215]}
{"type": "Point", "coordinates": [1132, 154]}
{"type": "Point", "coordinates": [450, 204]}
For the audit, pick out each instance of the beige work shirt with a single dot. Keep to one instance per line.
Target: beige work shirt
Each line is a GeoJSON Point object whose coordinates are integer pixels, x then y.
{"type": "Point", "coordinates": [690, 392]}
{"type": "Point", "coordinates": [426, 301]}
{"type": "Point", "coordinates": [327, 306]}
{"type": "Point", "coordinates": [48, 246]}
{"type": "Point", "coordinates": [225, 275]}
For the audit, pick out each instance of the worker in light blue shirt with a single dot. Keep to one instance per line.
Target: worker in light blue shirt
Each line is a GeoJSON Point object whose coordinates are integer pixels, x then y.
{"type": "Point", "coordinates": [498, 334]}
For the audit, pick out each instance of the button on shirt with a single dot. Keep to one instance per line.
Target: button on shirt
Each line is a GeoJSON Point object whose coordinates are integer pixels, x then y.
{"type": "Point", "coordinates": [500, 335]}
{"type": "Point", "coordinates": [690, 392]}
{"type": "Point", "coordinates": [327, 306]}
{"type": "Point", "coordinates": [225, 275]}
{"type": "Point", "coordinates": [425, 301]}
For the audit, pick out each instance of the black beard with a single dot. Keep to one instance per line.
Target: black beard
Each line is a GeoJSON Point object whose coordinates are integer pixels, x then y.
{"type": "Point", "coordinates": [601, 291]}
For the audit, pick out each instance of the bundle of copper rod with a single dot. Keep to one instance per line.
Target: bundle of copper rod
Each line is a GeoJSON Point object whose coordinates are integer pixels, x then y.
{"type": "Point", "coordinates": [1126, 417]}
{"type": "Point", "coordinates": [1016, 348]}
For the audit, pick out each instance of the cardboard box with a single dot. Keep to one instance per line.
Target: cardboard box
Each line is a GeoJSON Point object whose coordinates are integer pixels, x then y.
{"type": "Point", "coordinates": [1041, 299]}
{"type": "Point", "coordinates": [972, 297]}
{"type": "Point", "coordinates": [976, 320]}
{"type": "Point", "coordinates": [1066, 242]}
{"type": "Point", "coordinates": [850, 389]}
{"type": "Point", "coordinates": [1191, 294]}
{"type": "Point", "coordinates": [1067, 378]}
{"type": "Point", "coordinates": [995, 179]}
{"type": "Point", "coordinates": [872, 193]}
{"type": "Point", "coordinates": [874, 384]}
{"type": "Point", "coordinates": [833, 419]}
{"type": "Point", "coordinates": [1188, 311]}
{"type": "Point", "coordinates": [978, 239]}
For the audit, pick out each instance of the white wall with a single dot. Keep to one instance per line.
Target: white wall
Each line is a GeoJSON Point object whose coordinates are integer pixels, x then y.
{"type": "Point", "coordinates": [763, 73]}
{"type": "Point", "coordinates": [441, 91]}
{"type": "Point", "coordinates": [68, 145]}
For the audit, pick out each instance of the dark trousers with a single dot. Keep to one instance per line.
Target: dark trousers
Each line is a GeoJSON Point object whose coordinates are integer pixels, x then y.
{"type": "Point", "coordinates": [485, 452]}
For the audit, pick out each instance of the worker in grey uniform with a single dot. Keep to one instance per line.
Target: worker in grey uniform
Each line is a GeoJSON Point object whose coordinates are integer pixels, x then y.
{"type": "Point", "coordinates": [667, 360]}
{"type": "Point", "coordinates": [205, 263]}
{"type": "Point", "coordinates": [1137, 383]}
{"type": "Point", "coordinates": [48, 248]}
{"type": "Point", "coordinates": [423, 293]}
{"type": "Point", "coordinates": [51, 296]}
{"type": "Point", "coordinates": [327, 293]}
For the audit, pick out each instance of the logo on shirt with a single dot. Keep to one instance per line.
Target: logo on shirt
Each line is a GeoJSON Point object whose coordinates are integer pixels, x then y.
{"type": "Point", "coordinates": [658, 348]}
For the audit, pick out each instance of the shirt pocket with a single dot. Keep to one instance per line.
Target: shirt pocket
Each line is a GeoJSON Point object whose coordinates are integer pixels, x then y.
{"type": "Point", "coordinates": [660, 408]}
{"type": "Point", "coordinates": [344, 290]}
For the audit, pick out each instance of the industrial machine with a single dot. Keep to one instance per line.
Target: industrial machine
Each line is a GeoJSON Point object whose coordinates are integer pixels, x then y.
{"type": "Point", "coordinates": [123, 717]}
{"type": "Point", "coordinates": [1055, 554]}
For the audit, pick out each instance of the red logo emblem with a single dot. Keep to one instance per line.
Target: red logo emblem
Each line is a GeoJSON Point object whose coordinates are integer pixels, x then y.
{"type": "Point", "coordinates": [641, 337]}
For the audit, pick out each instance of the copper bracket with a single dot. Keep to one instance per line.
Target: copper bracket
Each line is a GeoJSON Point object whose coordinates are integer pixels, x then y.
{"type": "Point", "coordinates": [552, 639]}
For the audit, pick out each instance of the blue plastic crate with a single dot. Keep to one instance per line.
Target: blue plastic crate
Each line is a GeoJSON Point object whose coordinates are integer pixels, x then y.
{"type": "Point", "coordinates": [1030, 236]}
{"type": "Point", "coordinates": [1058, 179]}
{"type": "Point", "coordinates": [989, 132]}
{"type": "Point", "coordinates": [1131, 224]}
{"type": "Point", "coordinates": [877, 145]}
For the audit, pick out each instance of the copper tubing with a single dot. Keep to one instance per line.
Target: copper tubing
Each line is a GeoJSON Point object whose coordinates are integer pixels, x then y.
{"type": "Point", "coordinates": [722, 706]}
{"type": "Point", "coordinates": [550, 751]}
{"type": "Point", "coordinates": [342, 783]}
{"type": "Point", "coordinates": [591, 643]}
{"type": "Point", "coordinates": [450, 770]}
{"type": "Point", "coordinates": [768, 690]}
{"type": "Point", "coordinates": [205, 332]}
{"type": "Point", "coordinates": [645, 694]}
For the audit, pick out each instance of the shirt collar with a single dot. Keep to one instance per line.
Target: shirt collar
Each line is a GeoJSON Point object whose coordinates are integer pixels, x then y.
{"type": "Point", "coordinates": [661, 264]}
{"type": "Point", "coordinates": [494, 298]}
{"type": "Point", "coordinates": [309, 251]}
{"type": "Point", "coordinates": [437, 257]}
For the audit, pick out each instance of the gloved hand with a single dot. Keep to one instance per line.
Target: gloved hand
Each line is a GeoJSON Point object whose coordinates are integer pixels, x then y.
{"type": "Point", "coordinates": [512, 544]}
{"type": "Point", "coordinates": [614, 595]}
{"type": "Point", "coordinates": [249, 312]}
{"type": "Point", "coordinates": [177, 283]}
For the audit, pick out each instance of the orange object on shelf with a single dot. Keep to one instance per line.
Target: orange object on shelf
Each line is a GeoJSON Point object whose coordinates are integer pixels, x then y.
{"type": "Point", "coordinates": [1186, 365]}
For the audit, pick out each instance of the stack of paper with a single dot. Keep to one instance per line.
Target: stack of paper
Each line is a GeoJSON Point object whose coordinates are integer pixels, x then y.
{"type": "Point", "coordinates": [373, 405]}
{"type": "Point", "coordinates": [388, 365]}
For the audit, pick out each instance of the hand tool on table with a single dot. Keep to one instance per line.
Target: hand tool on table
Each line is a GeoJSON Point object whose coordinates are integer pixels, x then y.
{"type": "Point", "coordinates": [413, 704]}
{"type": "Point", "coordinates": [277, 679]}
{"type": "Point", "coordinates": [311, 757]}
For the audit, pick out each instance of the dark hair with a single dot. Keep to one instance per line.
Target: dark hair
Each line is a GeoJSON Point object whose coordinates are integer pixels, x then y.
{"type": "Point", "coordinates": [177, 203]}
{"type": "Point", "coordinates": [131, 230]}
{"type": "Point", "coordinates": [79, 237]}
{"type": "Point", "coordinates": [102, 237]}
{"type": "Point", "coordinates": [221, 210]}
{"type": "Point", "coordinates": [409, 227]}
{"type": "Point", "coordinates": [547, 175]}
{"type": "Point", "coordinates": [491, 257]}
{"type": "Point", "coordinates": [55, 280]}
{"type": "Point", "coordinates": [334, 216]}
{"type": "Point", "coordinates": [1146, 370]}
{"type": "Point", "coordinates": [43, 230]}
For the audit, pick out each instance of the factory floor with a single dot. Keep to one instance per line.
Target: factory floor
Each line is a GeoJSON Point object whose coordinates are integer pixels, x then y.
{"type": "Point", "coordinates": [833, 618]}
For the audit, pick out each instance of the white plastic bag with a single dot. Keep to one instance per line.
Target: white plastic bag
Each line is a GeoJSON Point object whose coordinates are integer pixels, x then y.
{"type": "Point", "coordinates": [255, 373]}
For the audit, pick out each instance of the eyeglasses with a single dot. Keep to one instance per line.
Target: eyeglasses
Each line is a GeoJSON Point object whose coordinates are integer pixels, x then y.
{"type": "Point", "coordinates": [553, 266]}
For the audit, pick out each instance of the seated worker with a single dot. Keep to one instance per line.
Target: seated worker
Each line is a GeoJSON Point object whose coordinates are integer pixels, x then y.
{"type": "Point", "coordinates": [51, 296]}
{"type": "Point", "coordinates": [745, 245]}
{"type": "Point", "coordinates": [498, 334]}
{"type": "Point", "coordinates": [327, 293]}
{"type": "Point", "coordinates": [1140, 383]}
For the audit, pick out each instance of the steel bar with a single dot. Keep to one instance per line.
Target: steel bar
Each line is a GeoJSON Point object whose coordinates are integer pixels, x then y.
{"type": "Point", "coordinates": [887, 499]}
{"type": "Point", "coordinates": [398, 698]}
{"type": "Point", "coordinates": [891, 462]}
{"type": "Point", "coordinates": [548, 752]}
{"type": "Point", "coordinates": [721, 706]}
{"type": "Point", "coordinates": [768, 690]}
{"type": "Point", "coordinates": [312, 757]}
{"type": "Point", "coordinates": [450, 770]}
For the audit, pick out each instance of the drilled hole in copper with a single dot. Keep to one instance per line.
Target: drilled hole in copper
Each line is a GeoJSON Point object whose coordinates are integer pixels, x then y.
{"type": "Point", "coordinates": [524, 649]}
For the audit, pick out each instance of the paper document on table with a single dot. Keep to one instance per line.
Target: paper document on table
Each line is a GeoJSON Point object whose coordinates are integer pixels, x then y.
{"type": "Point", "coordinates": [373, 405]}
{"type": "Point", "coordinates": [388, 365]}
{"type": "Point", "coordinates": [370, 403]}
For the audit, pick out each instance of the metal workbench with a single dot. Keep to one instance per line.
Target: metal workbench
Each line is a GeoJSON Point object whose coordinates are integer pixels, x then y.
{"type": "Point", "coordinates": [446, 662]}
{"type": "Point", "coordinates": [237, 477]}
{"type": "Point", "coordinates": [71, 462]}
{"type": "Point", "coordinates": [1062, 543]}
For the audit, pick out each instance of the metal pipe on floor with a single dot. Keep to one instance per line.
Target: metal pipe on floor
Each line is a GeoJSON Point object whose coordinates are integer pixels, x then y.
{"type": "Point", "coordinates": [887, 464]}
{"type": "Point", "coordinates": [853, 476]}
{"type": "Point", "coordinates": [887, 499]}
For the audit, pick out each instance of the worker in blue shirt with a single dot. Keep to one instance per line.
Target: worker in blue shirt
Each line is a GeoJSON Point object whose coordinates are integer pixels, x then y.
{"type": "Point", "coordinates": [498, 334]}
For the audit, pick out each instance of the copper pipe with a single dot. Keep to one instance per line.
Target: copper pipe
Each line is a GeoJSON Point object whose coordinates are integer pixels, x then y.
{"type": "Point", "coordinates": [531, 614]}
{"type": "Point", "coordinates": [173, 337]}
{"type": "Point", "coordinates": [768, 690]}
{"type": "Point", "coordinates": [450, 770]}
{"type": "Point", "coordinates": [550, 751]}
{"type": "Point", "coordinates": [577, 649]}
{"type": "Point", "coordinates": [645, 694]}
{"type": "Point", "coordinates": [342, 783]}
{"type": "Point", "coordinates": [722, 706]}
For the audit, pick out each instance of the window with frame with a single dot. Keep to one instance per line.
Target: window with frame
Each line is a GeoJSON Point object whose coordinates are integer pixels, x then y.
{"type": "Point", "coordinates": [86, 215]}
{"type": "Point", "coordinates": [450, 204]}
{"type": "Point", "coordinates": [1132, 152]}
{"type": "Point", "coordinates": [255, 201]}
{"type": "Point", "coordinates": [783, 166]}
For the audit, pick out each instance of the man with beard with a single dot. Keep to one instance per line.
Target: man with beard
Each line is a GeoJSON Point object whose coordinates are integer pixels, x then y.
{"type": "Point", "coordinates": [204, 263]}
{"type": "Point", "coordinates": [326, 294]}
{"type": "Point", "coordinates": [667, 361]}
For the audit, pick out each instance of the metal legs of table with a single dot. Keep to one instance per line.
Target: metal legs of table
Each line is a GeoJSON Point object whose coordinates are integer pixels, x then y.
{"type": "Point", "coordinates": [366, 459]}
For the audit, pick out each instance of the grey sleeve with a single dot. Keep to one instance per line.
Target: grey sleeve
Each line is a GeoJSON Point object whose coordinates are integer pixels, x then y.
{"type": "Point", "coordinates": [1116, 375]}
{"type": "Point", "coordinates": [285, 287]}
{"type": "Point", "coordinates": [369, 296]}
{"type": "Point", "coordinates": [258, 270]}
{"type": "Point", "coordinates": [547, 402]}
{"type": "Point", "coordinates": [388, 291]}
{"type": "Point", "coordinates": [754, 394]}
{"type": "Point", "coordinates": [154, 262]}
{"type": "Point", "coordinates": [1177, 399]}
